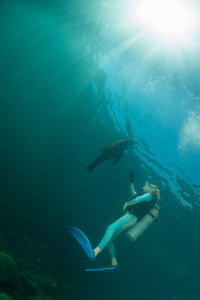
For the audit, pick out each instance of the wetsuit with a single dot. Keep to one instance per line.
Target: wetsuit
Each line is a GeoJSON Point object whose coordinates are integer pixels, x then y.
{"type": "Point", "coordinates": [123, 223]}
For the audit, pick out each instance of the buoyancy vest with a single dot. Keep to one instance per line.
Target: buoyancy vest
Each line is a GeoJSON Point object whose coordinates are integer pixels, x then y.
{"type": "Point", "coordinates": [140, 209]}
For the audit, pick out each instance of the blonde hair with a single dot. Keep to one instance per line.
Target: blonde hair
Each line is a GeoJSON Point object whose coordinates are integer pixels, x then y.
{"type": "Point", "coordinates": [154, 191]}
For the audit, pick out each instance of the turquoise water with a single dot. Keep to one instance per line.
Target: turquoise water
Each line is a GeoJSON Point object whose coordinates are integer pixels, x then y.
{"type": "Point", "coordinates": [76, 76]}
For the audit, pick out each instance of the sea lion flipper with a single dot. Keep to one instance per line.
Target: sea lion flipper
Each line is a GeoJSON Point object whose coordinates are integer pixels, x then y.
{"type": "Point", "coordinates": [118, 157]}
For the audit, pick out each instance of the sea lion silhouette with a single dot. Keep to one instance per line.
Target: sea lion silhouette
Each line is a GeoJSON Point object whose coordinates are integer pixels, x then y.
{"type": "Point", "coordinates": [112, 151]}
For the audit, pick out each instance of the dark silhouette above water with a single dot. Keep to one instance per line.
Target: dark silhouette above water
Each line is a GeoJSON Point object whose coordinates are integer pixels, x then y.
{"type": "Point", "coordinates": [113, 151]}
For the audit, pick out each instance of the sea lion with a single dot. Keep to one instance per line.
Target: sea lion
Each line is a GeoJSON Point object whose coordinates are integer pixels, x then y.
{"type": "Point", "coordinates": [112, 151]}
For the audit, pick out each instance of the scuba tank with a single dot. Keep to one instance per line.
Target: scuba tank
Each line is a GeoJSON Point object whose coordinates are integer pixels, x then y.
{"type": "Point", "coordinates": [135, 231]}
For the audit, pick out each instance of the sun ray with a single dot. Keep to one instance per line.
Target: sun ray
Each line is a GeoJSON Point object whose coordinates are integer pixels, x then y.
{"type": "Point", "coordinates": [172, 20]}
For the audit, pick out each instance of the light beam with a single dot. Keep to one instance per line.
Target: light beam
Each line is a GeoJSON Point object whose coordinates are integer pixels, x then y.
{"type": "Point", "coordinates": [170, 20]}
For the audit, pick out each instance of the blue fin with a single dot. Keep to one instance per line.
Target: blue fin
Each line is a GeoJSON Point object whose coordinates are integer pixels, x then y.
{"type": "Point", "coordinates": [82, 239]}
{"type": "Point", "coordinates": [100, 269]}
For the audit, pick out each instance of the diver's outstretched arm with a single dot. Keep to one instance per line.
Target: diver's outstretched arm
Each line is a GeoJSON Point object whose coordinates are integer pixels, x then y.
{"type": "Point", "coordinates": [132, 187]}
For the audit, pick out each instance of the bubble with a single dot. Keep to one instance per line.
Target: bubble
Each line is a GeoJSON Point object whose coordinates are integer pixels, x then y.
{"type": "Point", "coordinates": [190, 137]}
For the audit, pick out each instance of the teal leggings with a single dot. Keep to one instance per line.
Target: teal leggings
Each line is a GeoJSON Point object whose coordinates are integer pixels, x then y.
{"type": "Point", "coordinates": [114, 229]}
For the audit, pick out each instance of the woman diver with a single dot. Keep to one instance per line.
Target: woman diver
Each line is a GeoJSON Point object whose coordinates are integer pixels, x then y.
{"type": "Point", "coordinates": [134, 210]}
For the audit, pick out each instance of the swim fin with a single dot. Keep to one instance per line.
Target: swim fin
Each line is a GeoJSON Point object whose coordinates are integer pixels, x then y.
{"type": "Point", "coordinates": [82, 239]}
{"type": "Point", "coordinates": [100, 269]}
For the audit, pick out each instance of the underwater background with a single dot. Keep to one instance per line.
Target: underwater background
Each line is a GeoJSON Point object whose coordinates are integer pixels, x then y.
{"type": "Point", "coordinates": [76, 76]}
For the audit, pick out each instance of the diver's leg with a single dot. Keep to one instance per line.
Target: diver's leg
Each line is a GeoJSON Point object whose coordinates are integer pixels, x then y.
{"type": "Point", "coordinates": [126, 226]}
{"type": "Point", "coordinates": [110, 246]}
{"type": "Point", "coordinates": [111, 250]}
{"type": "Point", "coordinates": [113, 228]}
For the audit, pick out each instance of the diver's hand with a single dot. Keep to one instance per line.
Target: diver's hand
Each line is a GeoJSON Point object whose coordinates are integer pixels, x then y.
{"type": "Point", "coordinates": [131, 177]}
{"type": "Point", "coordinates": [125, 206]}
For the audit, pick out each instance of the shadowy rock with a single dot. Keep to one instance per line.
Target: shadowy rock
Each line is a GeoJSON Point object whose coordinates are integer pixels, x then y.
{"type": "Point", "coordinates": [47, 284]}
{"type": "Point", "coordinates": [19, 280]}
{"type": "Point", "coordinates": [22, 264]}
{"type": "Point", "coordinates": [5, 297]}
{"type": "Point", "coordinates": [28, 284]}
{"type": "Point", "coordinates": [8, 268]}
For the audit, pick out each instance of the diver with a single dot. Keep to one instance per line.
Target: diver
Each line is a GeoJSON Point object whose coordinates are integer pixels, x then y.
{"type": "Point", "coordinates": [134, 210]}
